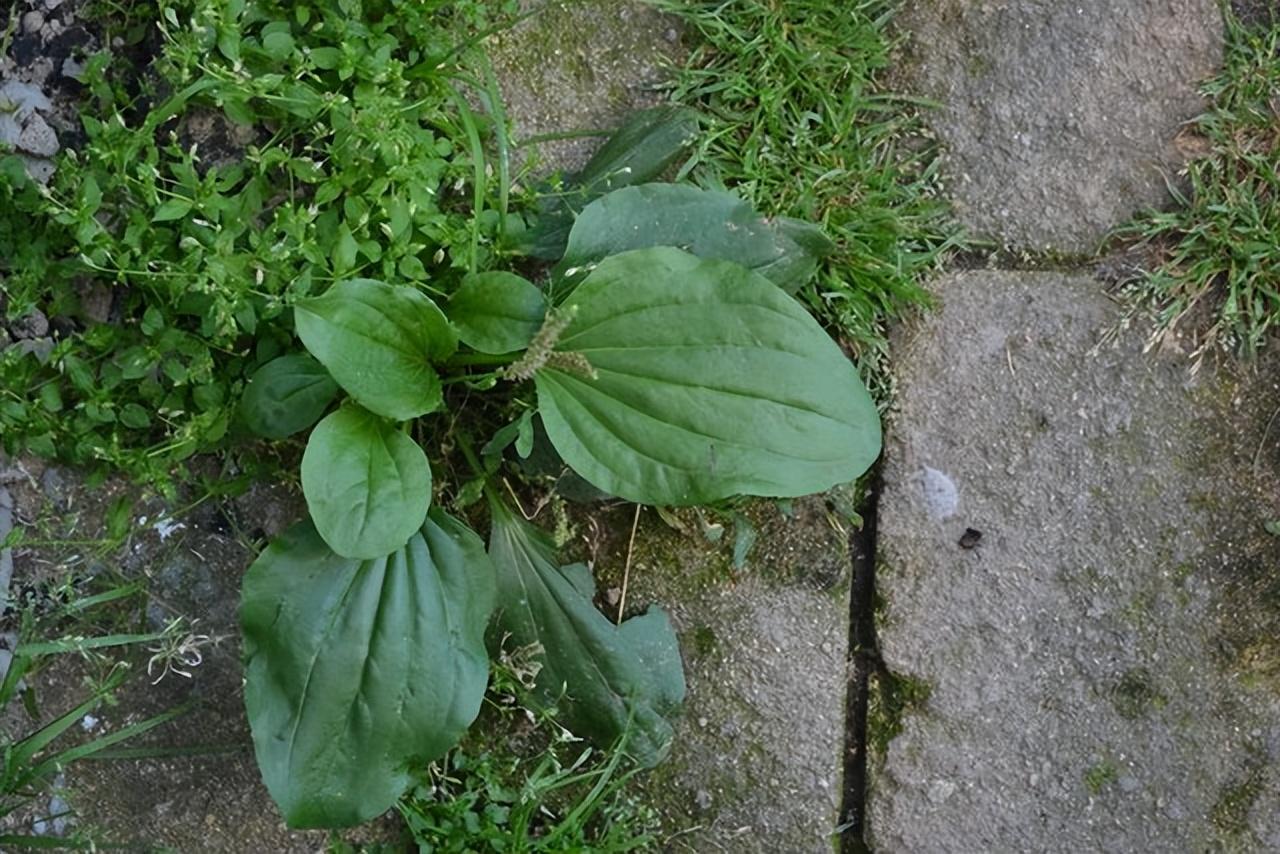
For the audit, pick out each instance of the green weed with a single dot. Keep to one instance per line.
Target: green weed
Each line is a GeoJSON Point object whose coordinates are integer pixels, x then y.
{"type": "Point", "coordinates": [270, 149]}
{"type": "Point", "coordinates": [499, 802]}
{"type": "Point", "coordinates": [1100, 775]}
{"type": "Point", "coordinates": [801, 126]}
{"type": "Point", "coordinates": [1218, 251]}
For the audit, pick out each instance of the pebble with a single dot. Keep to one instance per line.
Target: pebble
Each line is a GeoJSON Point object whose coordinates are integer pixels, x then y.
{"type": "Point", "coordinates": [32, 21]}
{"type": "Point", "coordinates": [33, 325]}
{"type": "Point", "coordinates": [38, 138]}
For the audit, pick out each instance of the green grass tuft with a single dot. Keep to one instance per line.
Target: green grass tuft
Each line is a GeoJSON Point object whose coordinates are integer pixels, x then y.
{"type": "Point", "coordinates": [1219, 250]}
{"type": "Point", "coordinates": [801, 125]}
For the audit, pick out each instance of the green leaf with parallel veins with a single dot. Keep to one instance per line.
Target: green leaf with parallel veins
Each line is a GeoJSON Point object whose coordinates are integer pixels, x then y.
{"type": "Point", "coordinates": [355, 669]}
{"type": "Point", "coordinates": [604, 680]}
{"type": "Point", "coordinates": [707, 223]}
{"type": "Point", "coordinates": [706, 381]}
{"type": "Point", "coordinates": [367, 484]}
{"type": "Point", "coordinates": [377, 342]}
{"type": "Point", "coordinates": [287, 395]}
{"type": "Point", "coordinates": [497, 312]}
{"type": "Point", "coordinates": [640, 151]}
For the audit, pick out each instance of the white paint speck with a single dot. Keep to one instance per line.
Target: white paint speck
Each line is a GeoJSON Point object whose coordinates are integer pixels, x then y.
{"type": "Point", "coordinates": [941, 498]}
{"type": "Point", "coordinates": [165, 527]}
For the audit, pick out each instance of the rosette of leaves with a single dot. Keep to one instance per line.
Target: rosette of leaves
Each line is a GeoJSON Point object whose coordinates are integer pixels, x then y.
{"type": "Point", "coordinates": [664, 374]}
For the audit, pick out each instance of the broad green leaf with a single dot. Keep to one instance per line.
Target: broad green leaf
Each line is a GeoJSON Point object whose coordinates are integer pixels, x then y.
{"type": "Point", "coordinates": [497, 312]}
{"type": "Point", "coordinates": [707, 223]}
{"type": "Point", "coordinates": [706, 381]}
{"type": "Point", "coordinates": [639, 151]}
{"type": "Point", "coordinates": [604, 680]}
{"type": "Point", "coordinates": [367, 484]}
{"type": "Point", "coordinates": [277, 45]}
{"type": "Point", "coordinates": [377, 342]}
{"type": "Point", "coordinates": [287, 395]}
{"type": "Point", "coordinates": [356, 669]}
{"type": "Point", "coordinates": [173, 209]}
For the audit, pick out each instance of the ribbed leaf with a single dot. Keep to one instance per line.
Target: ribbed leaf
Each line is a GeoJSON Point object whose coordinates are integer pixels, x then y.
{"type": "Point", "coordinates": [367, 484]}
{"type": "Point", "coordinates": [377, 342]}
{"type": "Point", "coordinates": [287, 395]}
{"type": "Point", "coordinates": [693, 380]}
{"type": "Point", "coordinates": [649, 143]}
{"type": "Point", "coordinates": [604, 680]}
{"type": "Point", "coordinates": [496, 312]}
{"type": "Point", "coordinates": [355, 669]}
{"type": "Point", "coordinates": [706, 223]}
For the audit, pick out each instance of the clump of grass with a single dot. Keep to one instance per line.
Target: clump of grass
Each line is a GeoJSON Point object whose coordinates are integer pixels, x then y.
{"type": "Point", "coordinates": [1101, 775]}
{"type": "Point", "coordinates": [801, 125]}
{"type": "Point", "coordinates": [521, 782]}
{"type": "Point", "coordinates": [1219, 249]}
{"type": "Point", "coordinates": [503, 802]}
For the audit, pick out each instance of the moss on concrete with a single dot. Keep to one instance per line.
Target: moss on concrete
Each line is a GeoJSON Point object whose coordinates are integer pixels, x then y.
{"type": "Point", "coordinates": [1100, 775]}
{"type": "Point", "coordinates": [890, 699]}
{"type": "Point", "coordinates": [575, 67]}
{"type": "Point", "coordinates": [1231, 811]}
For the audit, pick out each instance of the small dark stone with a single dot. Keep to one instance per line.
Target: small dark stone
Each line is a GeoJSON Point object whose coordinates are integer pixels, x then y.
{"type": "Point", "coordinates": [970, 538]}
{"type": "Point", "coordinates": [34, 325]}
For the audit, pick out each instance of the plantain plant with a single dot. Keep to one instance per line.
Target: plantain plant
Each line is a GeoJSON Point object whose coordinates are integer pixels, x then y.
{"type": "Point", "coordinates": [670, 366]}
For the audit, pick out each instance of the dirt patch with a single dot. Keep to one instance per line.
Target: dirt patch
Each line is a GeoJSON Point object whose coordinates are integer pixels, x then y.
{"type": "Point", "coordinates": [208, 795]}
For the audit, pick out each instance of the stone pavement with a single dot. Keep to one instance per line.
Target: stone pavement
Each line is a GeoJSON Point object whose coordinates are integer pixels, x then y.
{"type": "Point", "coordinates": [1060, 118]}
{"type": "Point", "coordinates": [1104, 663]}
{"type": "Point", "coordinates": [1077, 575]}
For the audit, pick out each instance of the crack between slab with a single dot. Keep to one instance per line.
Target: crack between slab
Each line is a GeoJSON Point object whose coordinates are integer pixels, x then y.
{"type": "Point", "coordinates": [863, 664]}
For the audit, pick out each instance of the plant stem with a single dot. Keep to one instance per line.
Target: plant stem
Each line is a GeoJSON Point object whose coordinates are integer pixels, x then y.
{"type": "Point", "coordinates": [464, 359]}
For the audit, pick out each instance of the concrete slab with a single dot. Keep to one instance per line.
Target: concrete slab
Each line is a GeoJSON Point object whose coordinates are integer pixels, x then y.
{"type": "Point", "coordinates": [1102, 663]}
{"type": "Point", "coordinates": [756, 763]}
{"type": "Point", "coordinates": [1059, 119]}
{"type": "Point", "coordinates": [575, 67]}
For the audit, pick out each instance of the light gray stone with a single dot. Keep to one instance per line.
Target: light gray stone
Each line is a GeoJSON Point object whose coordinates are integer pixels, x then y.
{"type": "Point", "coordinates": [1060, 118]}
{"type": "Point", "coordinates": [38, 138]}
{"type": "Point", "coordinates": [21, 99]}
{"type": "Point", "coordinates": [1114, 638]}
{"type": "Point", "coordinates": [32, 21]}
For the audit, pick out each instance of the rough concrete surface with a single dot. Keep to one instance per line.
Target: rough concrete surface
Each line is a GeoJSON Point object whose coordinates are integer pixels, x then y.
{"type": "Point", "coordinates": [1059, 119]}
{"type": "Point", "coordinates": [756, 761]}
{"type": "Point", "coordinates": [580, 67]}
{"type": "Point", "coordinates": [1104, 665]}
